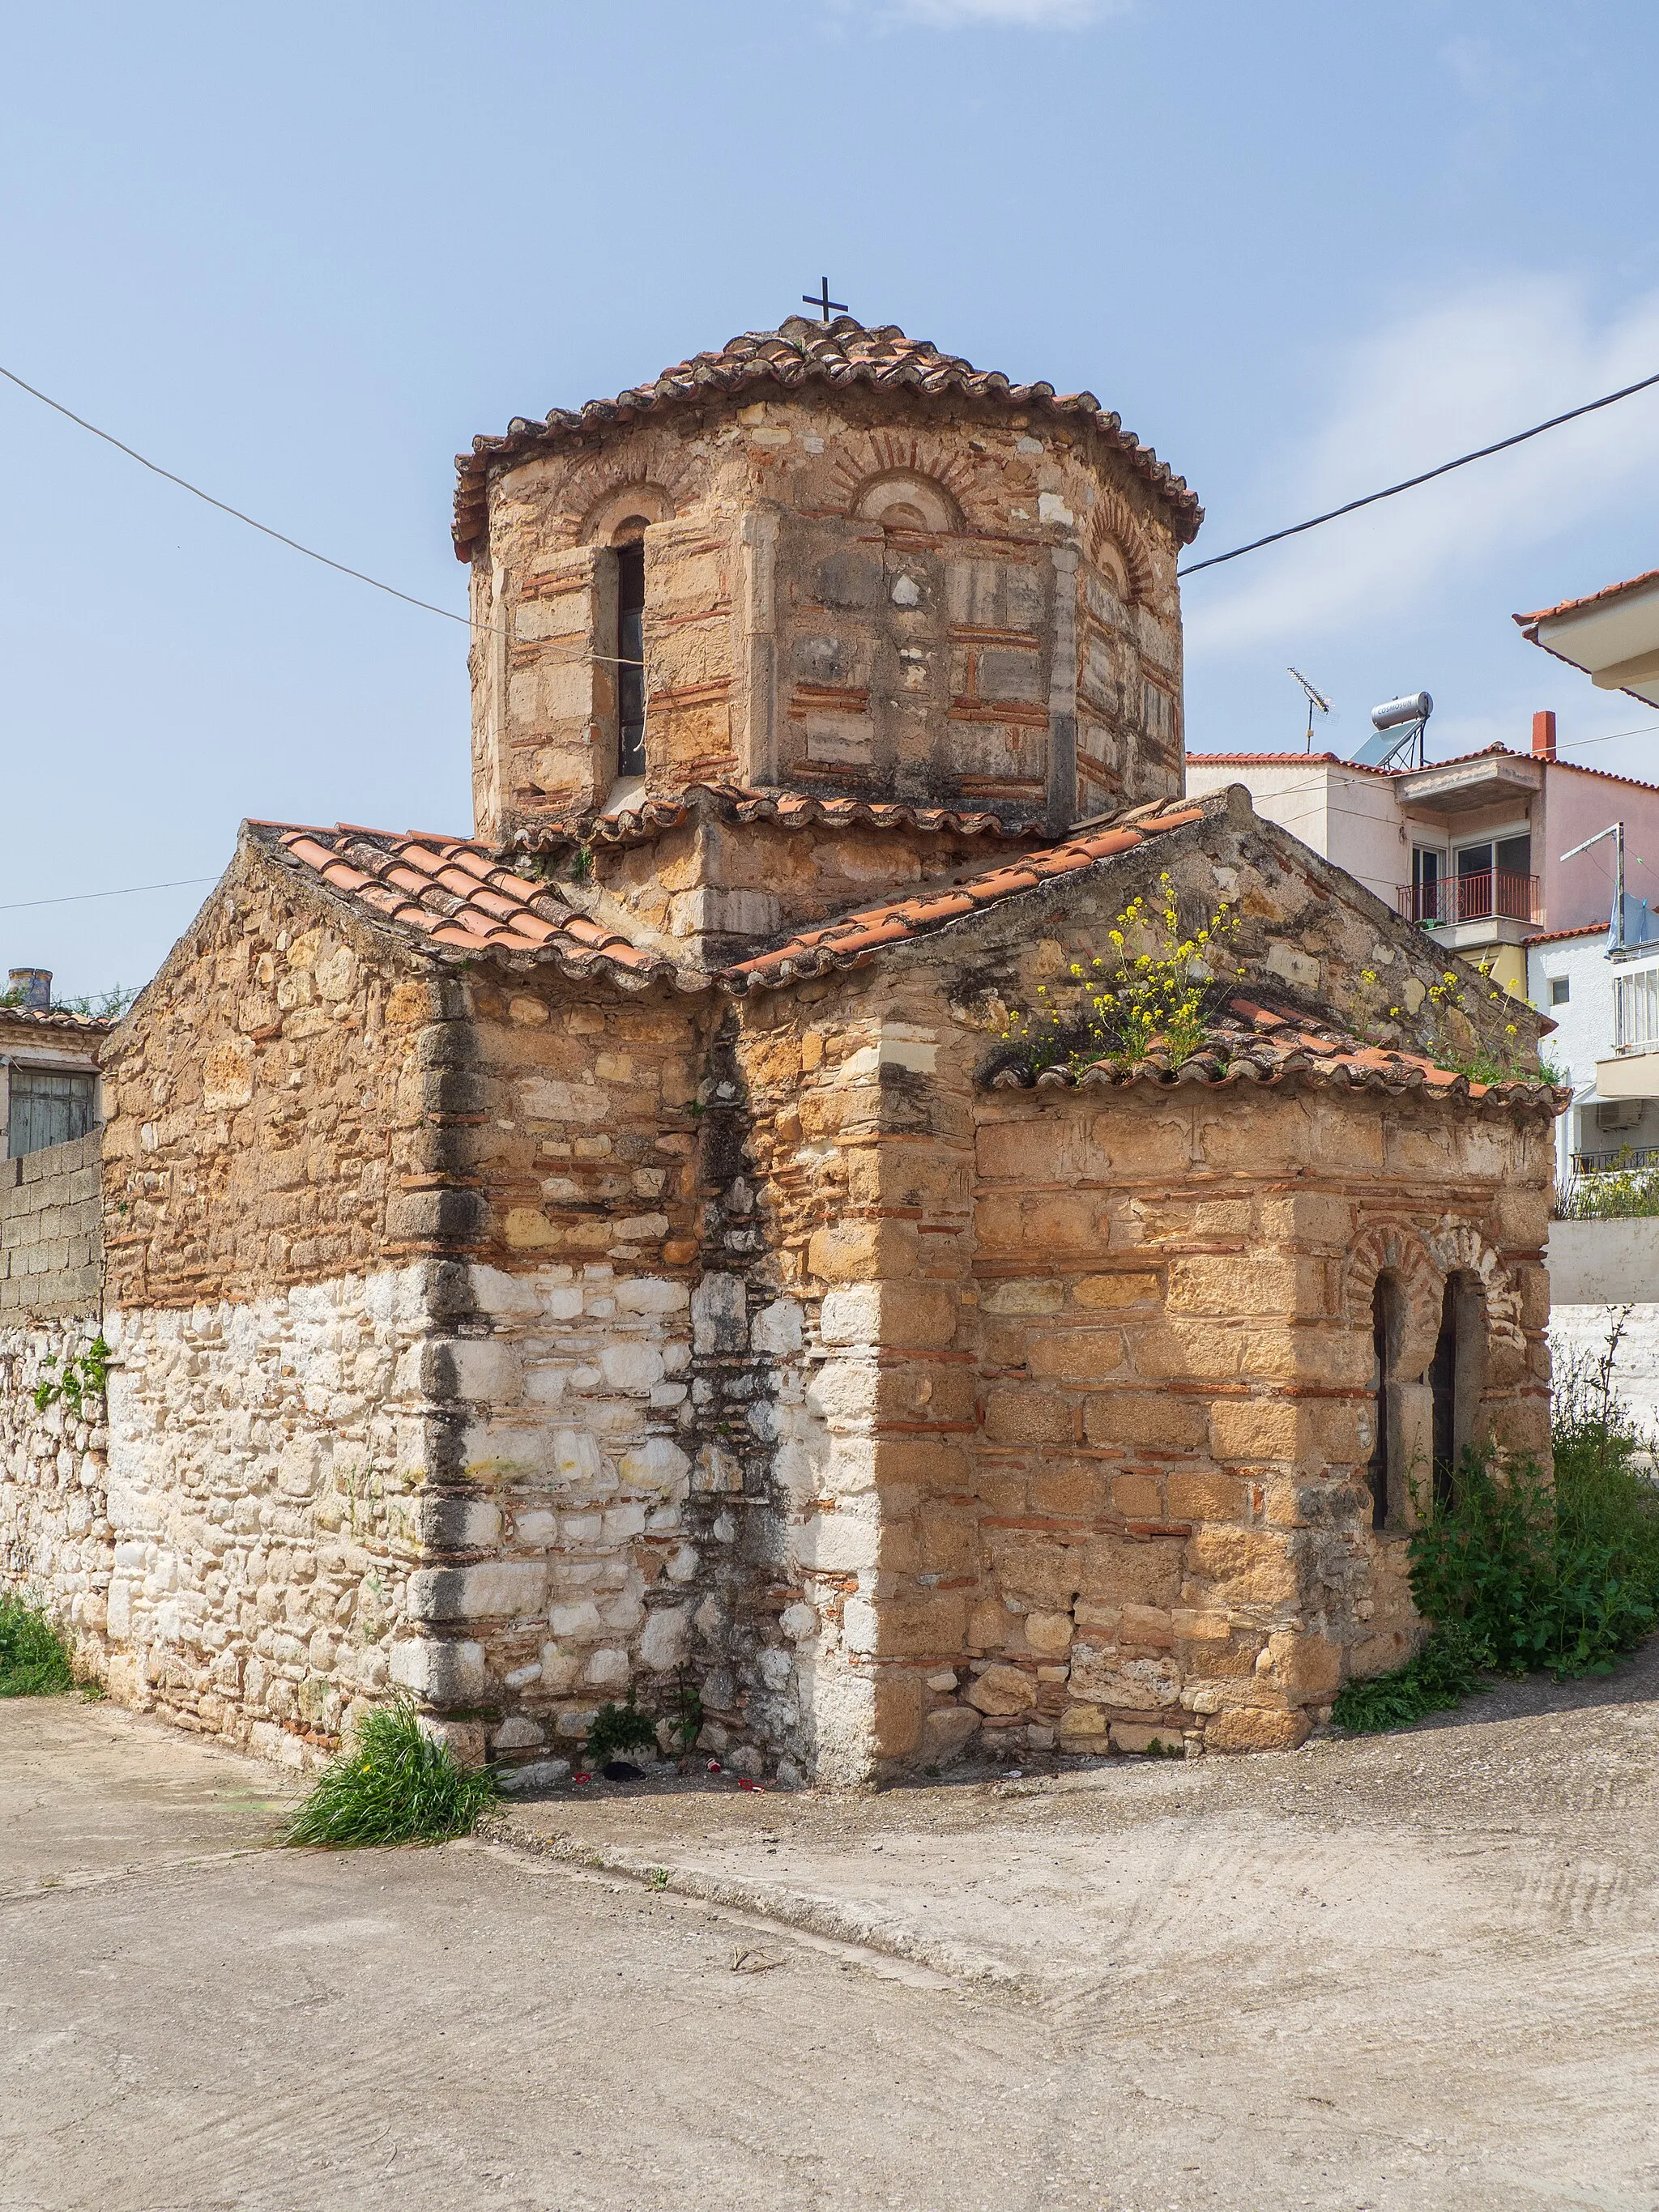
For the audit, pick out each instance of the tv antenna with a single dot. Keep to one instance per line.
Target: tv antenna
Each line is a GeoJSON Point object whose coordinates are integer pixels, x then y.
{"type": "Point", "coordinates": [1315, 699]}
{"type": "Point", "coordinates": [1399, 724]}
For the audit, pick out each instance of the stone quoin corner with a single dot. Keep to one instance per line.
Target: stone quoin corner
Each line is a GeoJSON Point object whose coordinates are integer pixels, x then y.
{"type": "Point", "coordinates": [614, 1253]}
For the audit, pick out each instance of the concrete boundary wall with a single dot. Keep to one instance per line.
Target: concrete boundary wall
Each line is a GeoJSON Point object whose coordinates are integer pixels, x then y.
{"type": "Point", "coordinates": [1604, 1262]}
{"type": "Point", "coordinates": [52, 1249]}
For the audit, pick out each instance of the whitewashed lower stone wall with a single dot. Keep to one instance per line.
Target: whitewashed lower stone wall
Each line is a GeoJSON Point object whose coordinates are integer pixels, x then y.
{"type": "Point", "coordinates": [56, 1540]}
{"type": "Point", "coordinates": [611, 1536]}
{"type": "Point", "coordinates": [517, 1496]}
{"type": "Point", "coordinates": [265, 1462]}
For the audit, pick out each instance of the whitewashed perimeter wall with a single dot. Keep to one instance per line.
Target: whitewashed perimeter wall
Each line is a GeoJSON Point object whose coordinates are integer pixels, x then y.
{"type": "Point", "coordinates": [261, 1457]}
{"type": "Point", "coordinates": [56, 1540]}
{"type": "Point", "coordinates": [1597, 1269]}
{"type": "Point", "coordinates": [515, 1496]}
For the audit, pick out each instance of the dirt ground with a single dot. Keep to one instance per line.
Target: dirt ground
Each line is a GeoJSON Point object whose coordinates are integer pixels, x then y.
{"type": "Point", "coordinates": [1417, 1972]}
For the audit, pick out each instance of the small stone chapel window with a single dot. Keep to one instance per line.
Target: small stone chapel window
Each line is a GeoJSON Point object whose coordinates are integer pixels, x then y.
{"type": "Point", "coordinates": [630, 647]}
{"type": "Point", "coordinates": [1455, 1380]}
{"type": "Point", "coordinates": [1385, 1338]}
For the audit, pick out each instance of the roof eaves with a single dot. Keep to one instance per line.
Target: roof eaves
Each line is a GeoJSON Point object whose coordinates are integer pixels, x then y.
{"type": "Point", "coordinates": [1609, 591]}
{"type": "Point", "coordinates": [856, 937]}
{"type": "Point", "coordinates": [653, 817]}
{"type": "Point", "coordinates": [842, 353]}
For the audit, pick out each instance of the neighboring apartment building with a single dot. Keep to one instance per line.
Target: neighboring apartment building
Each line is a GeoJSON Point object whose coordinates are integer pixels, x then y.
{"type": "Point", "coordinates": [1472, 848]}
{"type": "Point", "coordinates": [1599, 984]}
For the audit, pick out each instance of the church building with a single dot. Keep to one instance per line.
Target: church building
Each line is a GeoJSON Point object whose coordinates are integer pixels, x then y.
{"type": "Point", "coordinates": [635, 1251]}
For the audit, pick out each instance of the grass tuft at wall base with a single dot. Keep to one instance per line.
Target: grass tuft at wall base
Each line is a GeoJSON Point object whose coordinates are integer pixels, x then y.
{"type": "Point", "coordinates": [393, 1785]}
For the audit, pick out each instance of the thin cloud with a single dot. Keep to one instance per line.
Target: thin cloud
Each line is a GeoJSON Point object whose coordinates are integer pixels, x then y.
{"type": "Point", "coordinates": [1421, 390]}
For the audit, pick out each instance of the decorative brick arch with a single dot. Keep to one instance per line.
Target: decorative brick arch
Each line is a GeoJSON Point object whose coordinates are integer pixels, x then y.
{"type": "Point", "coordinates": [1112, 523]}
{"type": "Point", "coordinates": [1457, 1248]}
{"type": "Point", "coordinates": [871, 459]}
{"type": "Point", "coordinates": [585, 498]}
{"type": "Point", "coordinates": [1390, 1247]}
{"type": "Point", "coordinates": [639, 497]}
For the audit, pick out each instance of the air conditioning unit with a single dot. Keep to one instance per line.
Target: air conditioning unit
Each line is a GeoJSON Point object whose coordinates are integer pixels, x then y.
{"type": "Point", "coordinates": [1618, 1113]}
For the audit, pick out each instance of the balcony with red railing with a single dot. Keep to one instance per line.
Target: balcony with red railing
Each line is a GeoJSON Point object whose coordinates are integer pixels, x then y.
{"type": "Point", "coordinates": [1488, 895]}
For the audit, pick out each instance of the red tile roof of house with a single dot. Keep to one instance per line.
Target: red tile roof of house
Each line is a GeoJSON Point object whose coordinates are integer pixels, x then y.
{"type": "Point", "coordinates": [1453, 760]}
{"type": "Point", "coordinates": [1593, 599]}
{"type": "Point", "coordinates": [1282, 760]}
{"type": "Point", "coordinates": [57, 1017]}
{"type": "Point", "coordinates": [453, 892]}
{"type": "Point", "coordinates": [733, 802]}
{"type": "Point", "coordinates": [1560, 936]}
{"type": "Point", "coordinates": [802, 352]}
{"type": "Point", "coordinates": [1249, 1043]}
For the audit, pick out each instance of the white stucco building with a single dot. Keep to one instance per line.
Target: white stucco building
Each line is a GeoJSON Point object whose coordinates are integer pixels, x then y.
{"type": "Point", "coordinates": [1472, 849]}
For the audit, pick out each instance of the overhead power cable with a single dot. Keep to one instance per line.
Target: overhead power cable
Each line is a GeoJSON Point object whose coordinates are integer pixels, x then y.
{"type": "Point", "coordinates": [127, 890]}
{"type": "Point", "coordinates": [294, 545]}
{"type": "Point", "coordinates": [1428, 476]}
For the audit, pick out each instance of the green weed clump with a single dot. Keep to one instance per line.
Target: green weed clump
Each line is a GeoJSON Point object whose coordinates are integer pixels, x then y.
{"type": "Point", "coordinates": [1448, 1668]}
{"type": "Point", "coordinates": [394, 1785]}
{"type": "Point", "coordinates": [1158, 986]}
{"type": "Point", "coordinates": [1519, 1575]}
{"type": "Point", "coordinates": [616, 1728]}
{"type": "Point", "coordinates": [34, 1660]}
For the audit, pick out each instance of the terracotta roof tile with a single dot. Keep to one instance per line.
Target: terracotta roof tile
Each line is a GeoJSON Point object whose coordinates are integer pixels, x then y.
{"type": "Point", "coordinates": [843, 944]}
{"type": "Point", "coordinates": [736, 802]}
{"type": "Point", "coordinates": [396, 878]}
{"type": "Point", "coordinates": [454, 892]}
{"type": "Point", "coordinates": [1561, 936]}
{"type": "Point", "coordinates": [1246, 1043]}
{"type": "Point", "coordinates": [1594, 599]}
{"type": "Point", "coordinates": [801, 352]}
{"type": "Point", "coordinates": [57, 1018]}
{"type": "Point", "coordinates": [1282, 760]}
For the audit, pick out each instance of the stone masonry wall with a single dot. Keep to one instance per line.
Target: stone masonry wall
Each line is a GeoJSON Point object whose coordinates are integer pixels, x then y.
{"type": "Point", "coordinates": [57, 1542]}
{"type": "Point", "coordinates": [55, 1535]}
{"type": "Point", "coordinates": [266, 1464]}
{"type": "Point", "coordinates": [607, 1522]}
{"type": "Point", "coordinates": [1060, 1360]}
{"type": "Point", "coordinates": [51, 1245]}
{"type": "Point", "coordinates": [842, 590]}
{"type": "Point", "coordinates": [1175, 1341]}
{"type": "Point", "coordinates": [281, 1206]}
{"type": "Point", "coordinates": [274, 1116]}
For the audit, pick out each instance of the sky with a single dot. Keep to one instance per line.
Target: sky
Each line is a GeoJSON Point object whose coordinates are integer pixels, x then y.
{"type": "Point", "coordinates": [300, 256]}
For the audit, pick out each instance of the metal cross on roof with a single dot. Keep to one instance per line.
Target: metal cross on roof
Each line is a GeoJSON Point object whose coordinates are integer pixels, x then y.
{"type": "Point", "coordinates": [825, 306]}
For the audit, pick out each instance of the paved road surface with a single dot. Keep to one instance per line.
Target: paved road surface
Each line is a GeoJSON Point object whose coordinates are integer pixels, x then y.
{"type": "Point", "coordinates": [1415, 1972]}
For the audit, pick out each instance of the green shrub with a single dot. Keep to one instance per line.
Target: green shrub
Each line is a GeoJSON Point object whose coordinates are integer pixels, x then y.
{"type": "Point", "coordinates": [1519, 1575]}
{"type": "Point", "coordinates": [34, 1660]}
{"type": "Point", "coordinates": [393, 1785]}
{"type": "Point", "coordinates": [616, 1728]}
{"type": "Point", "coordinates": [1628, 1191]}
{"type": "Point", "coordinates": [1158, 985]}
{"type": "Point", "coordinates": [1445, 1671]}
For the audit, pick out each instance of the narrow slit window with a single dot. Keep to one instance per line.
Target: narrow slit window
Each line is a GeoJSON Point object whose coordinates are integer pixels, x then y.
{"type": "Point", "coordinates": [1443, 1389]}
{"type": "Point", "coordinates": [1456, 1378]}
{"type": "Point", "coordinates": [631, 659]}
{"type": "Point", "coordinates": [1384, 1333]}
